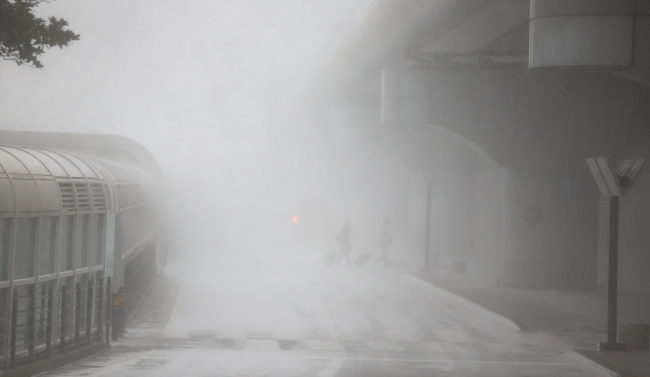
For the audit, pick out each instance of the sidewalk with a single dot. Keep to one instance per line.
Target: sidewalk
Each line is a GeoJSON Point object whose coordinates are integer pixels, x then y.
{"type": "Point", "coordinates": [573, 320]}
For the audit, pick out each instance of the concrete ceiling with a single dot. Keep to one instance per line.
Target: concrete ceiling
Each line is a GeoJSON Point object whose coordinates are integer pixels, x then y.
{"type": "Point", "coordinates": [477, 52]}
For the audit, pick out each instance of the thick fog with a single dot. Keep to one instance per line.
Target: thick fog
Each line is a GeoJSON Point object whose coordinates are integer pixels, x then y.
{"type": "Point", "coordinates": [218, 92]}
{"type": "Point", "coordinates": [348, 187]}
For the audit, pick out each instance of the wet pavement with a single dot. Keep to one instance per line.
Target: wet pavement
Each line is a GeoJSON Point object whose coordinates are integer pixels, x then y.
{"type": "Point", "coordinates": [319, 322]}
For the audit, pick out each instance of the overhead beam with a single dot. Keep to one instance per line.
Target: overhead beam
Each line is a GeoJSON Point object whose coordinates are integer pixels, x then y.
{"type": "Point", "coordinates": [387, 28]}
{"type": "Point", "coordinates": [482, 28]}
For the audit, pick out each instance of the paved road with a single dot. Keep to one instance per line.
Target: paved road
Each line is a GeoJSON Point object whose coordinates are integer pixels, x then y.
{"type": "Point", "coordinates": [323, 322]}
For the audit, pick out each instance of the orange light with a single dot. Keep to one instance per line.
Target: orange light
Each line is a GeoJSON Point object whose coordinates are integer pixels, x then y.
{"type": "Point", "coordinates": [295, 219]}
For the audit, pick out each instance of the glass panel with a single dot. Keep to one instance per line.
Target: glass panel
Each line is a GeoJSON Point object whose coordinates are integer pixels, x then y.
{"type": "Point", "coordinates": [67, 225]}
{"type": "Point", "coordinates": [66, 307]}
{"type": "Point", "coordinates": [3, 301]}
{"type": "Point", "coordinates": [25, 237]}
{"type": "Point", "coordinates": [83, 234]}
{"type": "Point", "coordinates": [5, 246]}
{"type": "Point", "coordinates": [42, 304]}
{"type": "Point", "coordinates": [99, 226]}
{"type": "Point", "coordinates": [93, 238]}
{"type": "Point", "coordinates": [120, 234]}
{"type": "Point", "coordinates": [82, 280]}
{"type": "Point", "coordinates": [46, 245]}
{"type": "Point", "coordinates": [22, 315]}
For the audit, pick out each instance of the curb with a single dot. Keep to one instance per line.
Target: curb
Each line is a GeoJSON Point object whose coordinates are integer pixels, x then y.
{"type": "Point", "coordinates": [576, 355]}
{"type": "Point", "coordinates": [461, 300]}
{"type": "Point", "coordinates": [55, 362]}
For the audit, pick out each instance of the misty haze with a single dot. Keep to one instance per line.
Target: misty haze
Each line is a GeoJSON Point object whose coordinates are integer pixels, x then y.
{"type": "Point", "coordinates": [324, 188]}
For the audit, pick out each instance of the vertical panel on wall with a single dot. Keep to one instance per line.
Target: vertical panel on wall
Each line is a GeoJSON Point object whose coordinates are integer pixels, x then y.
{"type": "Point", "coordinates": [92, 240]}
{"type": "Point", "coordinates": [5, 246]}
{"type": "Point", "coordinates": [67, 226]}
{"type": "Point", "coordinates": [83, 233]}
{"type": "Point", "coordinates": [110, 244]}
{"type": "Point", "coordinates": [4, 334]}
{"type": "Point", "coordinates": [25, 242]}
{"type": "Point", "coordinates": [98, 242]}
{"type": "Point", "coordinates": [46, 245]}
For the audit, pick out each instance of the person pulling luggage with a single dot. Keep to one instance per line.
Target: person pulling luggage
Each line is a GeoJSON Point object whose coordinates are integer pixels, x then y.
{"type": "Point", "coordinates": [345, 243]}
{"type": "Point", "coordinates": [383, 243]}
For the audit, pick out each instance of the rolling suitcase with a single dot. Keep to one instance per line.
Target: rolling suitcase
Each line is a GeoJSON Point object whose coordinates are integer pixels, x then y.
{"type": "Point", "coordinates": [362, 259]}
{"type": "Point", "coordinates": [329, 258]}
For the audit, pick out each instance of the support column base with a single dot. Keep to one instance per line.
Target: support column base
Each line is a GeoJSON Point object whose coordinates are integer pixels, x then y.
{"type": "Point", "coordinates": [611, 347]}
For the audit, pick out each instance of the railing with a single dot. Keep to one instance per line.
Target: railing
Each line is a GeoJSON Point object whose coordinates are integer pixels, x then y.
{"type": "Point", "coordinates": [46, 320]}
{"type": "Point", "coordinates": [43, 319]}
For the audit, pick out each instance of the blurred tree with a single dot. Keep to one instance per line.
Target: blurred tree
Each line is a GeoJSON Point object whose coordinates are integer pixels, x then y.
{"type": "Point", "coordinates": [23, 36]}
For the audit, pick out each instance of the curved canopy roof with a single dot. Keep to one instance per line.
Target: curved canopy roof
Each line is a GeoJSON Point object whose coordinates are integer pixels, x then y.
{"type": "Point", "coordinates": [47, 182]}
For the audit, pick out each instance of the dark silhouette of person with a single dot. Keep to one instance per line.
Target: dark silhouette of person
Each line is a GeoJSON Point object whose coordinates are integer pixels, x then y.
{"type": "Point", "coordinates": [345, 243]}
{"type": "Point", "coordinates": [383, 243]}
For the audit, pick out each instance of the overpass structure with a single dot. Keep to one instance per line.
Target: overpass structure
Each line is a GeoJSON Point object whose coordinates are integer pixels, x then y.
{"type": "Point", "coordinates": [506, 99]}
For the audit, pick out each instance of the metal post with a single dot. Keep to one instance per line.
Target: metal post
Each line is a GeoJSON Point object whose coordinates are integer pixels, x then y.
{"type": "Point", "coordinates": [64, 308]}
{"type": "Point", "coordinates": [41, 313]}
{"type": "Point", "coordinates": [100, 310]}
{"type": "Point", "coordinates": [109, 313]}
{"type": "Point", "coordinates": [30, 333]}
{"type": "Point", "coordinates": [89, 309]}
{"type": "Point", "coordinates": [612, 282]}
{"type": "Point", "coordinates": [5, 312]}
{"type": "Point", "coordinates": [427, 240]}
{"type": "Point", "coordinates": [612, 293]}
{"type": "Point", "coordinates": [50, 313]}
{"type": "Point", "coordinates": [14, 326]}
{"type": "Point", "coordinates": [77, 313]}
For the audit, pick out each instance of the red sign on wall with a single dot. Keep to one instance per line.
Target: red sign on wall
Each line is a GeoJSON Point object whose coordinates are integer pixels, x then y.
{"type": "Point", "coordinates": [533, 215]}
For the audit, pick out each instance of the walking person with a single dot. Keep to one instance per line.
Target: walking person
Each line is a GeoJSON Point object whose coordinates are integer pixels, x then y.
{"type": "Point", "coordinates": [345, 243]}
{"type": "Point", "coordinates": [383, 243]}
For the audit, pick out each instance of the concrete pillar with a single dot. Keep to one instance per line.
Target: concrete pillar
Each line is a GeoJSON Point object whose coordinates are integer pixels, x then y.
{"type": "Point", "coordinates": [405, 96]}
{"type": "Point", "coordinates": [640, 70]}
{"type": "Point", "coordinates": [404, 114]}
{"type": "Point", "coordinates": [581, 33]}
